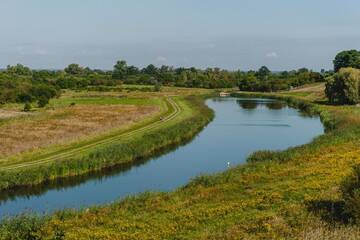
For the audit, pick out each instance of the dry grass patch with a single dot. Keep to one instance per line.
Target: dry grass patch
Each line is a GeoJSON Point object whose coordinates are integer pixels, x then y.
{"type": "Point", "coordinates": [321, 231]}
{"type": "Point", "coordinates": [5, 114]}
{"type": "Point", "coordinates": [68, 124]}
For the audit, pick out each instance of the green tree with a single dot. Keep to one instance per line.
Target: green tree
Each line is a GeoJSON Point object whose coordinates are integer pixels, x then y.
{"type": "Point", "coordinates": [343, 87]}
{"type": "Point", "coordinates": [346, 59]}
{"type": "Point", "coordinates": [120, 70]}
{"type": "Point", "coordinates": [19, 70]}
{"type": "Point", "coordinates": [74, 69]}
{"type": "Point", "coordinates": [150, 69]}
{"type": "Point", "coordinates": [263, 73]}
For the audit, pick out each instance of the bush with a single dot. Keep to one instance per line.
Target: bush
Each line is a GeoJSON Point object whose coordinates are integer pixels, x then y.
{"type": "Point", "coordinates": [351, 194]}
{"type": "Point", "coordinates": [27, 107]}
{"type": "Point", "coordinates": [43, 101]}
{"type": "Point", "coordinates": [157, 87]}
{"type": "Point", "coordinates": [343, 87]}
{"type": "Point", "coordinates": [22, 227]}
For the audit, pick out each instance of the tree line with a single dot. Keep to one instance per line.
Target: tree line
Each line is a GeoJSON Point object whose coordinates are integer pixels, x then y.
{"type": "Point", "coordinates": [21, 84]}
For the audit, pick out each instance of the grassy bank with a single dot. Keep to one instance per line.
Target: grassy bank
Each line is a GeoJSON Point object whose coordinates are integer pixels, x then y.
{"type": "Point", "coordinates": [293, 194]}
{"type": "Point", "coordinates": [185, 116]}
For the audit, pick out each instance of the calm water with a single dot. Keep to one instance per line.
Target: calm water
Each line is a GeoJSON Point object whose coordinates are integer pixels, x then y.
{"type": "Point", "coordinates": [241, 126]}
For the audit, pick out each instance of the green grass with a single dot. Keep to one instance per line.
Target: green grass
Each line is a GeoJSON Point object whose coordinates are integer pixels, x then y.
{"type": "Point", "coordinates": [270, 198]}
{"type": "Point", "coordinates": [293, 194]}
{"type": "Point", "coordinates": [179, 122]}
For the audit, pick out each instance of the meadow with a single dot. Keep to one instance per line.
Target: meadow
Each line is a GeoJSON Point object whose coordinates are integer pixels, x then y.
{"type": "Point", "coordinates": [293, 194]}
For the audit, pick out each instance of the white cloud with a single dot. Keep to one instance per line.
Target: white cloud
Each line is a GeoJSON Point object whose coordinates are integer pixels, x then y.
{"type": "Point", "coordinates": [272, 55]}
{"type": "Point", "coordinates": [161, 59]}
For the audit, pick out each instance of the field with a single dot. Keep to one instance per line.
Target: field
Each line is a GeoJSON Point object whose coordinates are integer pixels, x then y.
{"type": "Point", "coordinates": [86, 131]}
{"type": "Point", "coordinates": [68, 124]}
{"type": "Point", "coordinates": [292, 194]}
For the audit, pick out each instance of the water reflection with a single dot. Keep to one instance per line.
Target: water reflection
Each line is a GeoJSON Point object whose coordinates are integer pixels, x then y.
{"type": "Point", "coordinates": [275, 105]}
{"type": "Point", "coordinates": [247, 104]}
{"type": "Point", "coordinates": [62, 184]}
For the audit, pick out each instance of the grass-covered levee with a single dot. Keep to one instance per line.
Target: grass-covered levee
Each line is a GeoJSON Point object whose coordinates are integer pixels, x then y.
{"type": "Point", "coordinates": [305, 192]}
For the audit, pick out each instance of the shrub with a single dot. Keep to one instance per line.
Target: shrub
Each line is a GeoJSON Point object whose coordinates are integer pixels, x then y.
{"type": "Point", "coordinates": [343, 87]}
{"type": "Point", "coordinates": [157, 87]}
{"type": "Point", "coordinates": [27, 107]}
{"type": "Point", "coordinates": [351, 194]}
{"type": "Point", "coordinates": [22, 227]}
{"type": "Point", "coordinates": [43, 101]}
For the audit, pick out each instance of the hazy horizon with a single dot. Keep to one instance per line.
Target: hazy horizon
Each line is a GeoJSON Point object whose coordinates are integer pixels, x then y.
{"type": "Point", "coordinates": [231, 34]}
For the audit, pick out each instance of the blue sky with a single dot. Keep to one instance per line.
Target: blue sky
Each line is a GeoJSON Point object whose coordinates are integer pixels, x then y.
{"type": "Point", "coordinates": [232, 34]}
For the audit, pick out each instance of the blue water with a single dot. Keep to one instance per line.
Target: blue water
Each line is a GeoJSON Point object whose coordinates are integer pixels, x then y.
{"type": "Point", "coordinates": [241, 126]}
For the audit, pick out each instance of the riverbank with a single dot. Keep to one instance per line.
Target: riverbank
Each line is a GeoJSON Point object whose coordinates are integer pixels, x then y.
{"type": "Point", "coordinates": [120, 148]}
{"type": "Point", "coordinates": [276, 195]}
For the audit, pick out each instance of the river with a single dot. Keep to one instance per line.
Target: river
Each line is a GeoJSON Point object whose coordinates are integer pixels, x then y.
{"type": "Point", "coordinates": [241, 126]}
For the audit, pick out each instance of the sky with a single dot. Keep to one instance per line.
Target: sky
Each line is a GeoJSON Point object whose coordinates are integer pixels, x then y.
{"type": "Point", "coordinates": [231, 34]}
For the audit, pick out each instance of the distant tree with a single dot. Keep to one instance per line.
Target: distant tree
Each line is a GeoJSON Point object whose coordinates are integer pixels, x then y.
{"type": "Point", "coordinates": [132, 70]}
{"type": "Point", "coordinates": [346, 59]}
{"type": "Point", "coordinates": [263, 73]}
{"type": "Point", "coordinates": [343, 87]}
{"type": "Point", "coordinates": [19, 69]}
{"type": "Point", "coordinates": [74, 69]}
{"type": "Point", "coordinates": [150, 69]}
{"type": "Point", "coordinates": [303, 70]}
{"type": "Point", "coordinates": [120, 70]}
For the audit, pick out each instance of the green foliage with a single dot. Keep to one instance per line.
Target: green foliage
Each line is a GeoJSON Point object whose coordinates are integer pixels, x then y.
{"type": "Point", "coordinates": [263, 73]}
{"type": "Point", "coordinates": [157, 87]}
{"type": "Point", "coordinates": [19, 70]}
{"type": "Point", "coordinates": [74, 69]}
{"type": "Point", "coordinates": [120, 70]}
{"type": "Point", "coordinates": [27, 107]}
{"type": "Point", "coordinates": [265, 81]}
{"type": "Point", "coordinates": [343, 87]}
{"type": "Point", "coordinates": [351, 194]}
{"type": "Point", "coordinates": [347, 59]}
{"type": "Point", "coordinates": [23, 227]}
{"type": "Point", "coordinates": [43, 101]}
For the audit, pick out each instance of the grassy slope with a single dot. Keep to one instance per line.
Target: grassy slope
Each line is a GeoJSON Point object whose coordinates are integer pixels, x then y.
{"type": "Point", "coordinates": [266, 199]}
